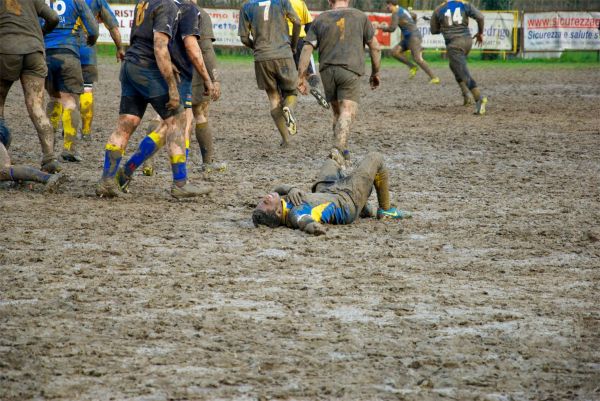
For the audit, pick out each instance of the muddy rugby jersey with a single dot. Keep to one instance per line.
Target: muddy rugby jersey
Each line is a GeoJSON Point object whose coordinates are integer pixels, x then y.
{"type": "Point", "coordinates": [187, 24]}
{"type": "Point", "coordinates": [74, 16]}
{"type": "Point", "coordinates": [20, 30]}
{"type": "Point", "coordinates": [341, 36]}
{"type": "Point", "coordinates": [402, 19]}
{"type": "Point", "coordinates": [150, 16]}
{"type": "Point", "coordinates": [452, 19]}
{"type": "Point", "coordinates": [266, 22]}
{"type": "Point", "coordinates": [321, 207]}
{"type": "Point", "coordinates": [103, 13]}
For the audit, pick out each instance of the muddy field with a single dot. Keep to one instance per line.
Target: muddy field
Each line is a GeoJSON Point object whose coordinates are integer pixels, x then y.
{"type": "Point", "coordinates": [489, 293]}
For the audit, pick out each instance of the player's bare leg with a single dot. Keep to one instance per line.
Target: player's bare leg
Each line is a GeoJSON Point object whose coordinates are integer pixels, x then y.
{"type": "Point", "coordinates": [417, 53]}
{"type": "Point", "coordinates": [33, 89]}
{"type": "Point", "coordinates": [343, 113]}
{"type": "Point", "coordinates": [54, 111]}
{"type": "Point", "coordinates": [181, 187]}
{"type": "Point", "coordinates": [114, 150]}
{"type": "Point", "coordinates": [399, 54]}
{"type": "Point", "coordinates": [71, 119]}
{"type": "Point", "coordinates": [279, 117]}
{"type": "Point", "coordinates": [205, 138]}
{"type": "Point", "coordinates": [4, 132]}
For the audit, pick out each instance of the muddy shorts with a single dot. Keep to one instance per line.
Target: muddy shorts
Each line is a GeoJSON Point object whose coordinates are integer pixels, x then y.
{"type": "Point", "coordinates": [90, 73]}
{"type": "Point", "coordinates": [273, 75]}
{"type": "Point", "coordinates": [185, 92]}
{"type": "Point", "coordinates": [64, 72]}
{"type": "Point", "coordinates": [198, 90]}
{"type": "Point", "coordinates": [12, 66]}
{"type": "Point", "coordinates": [340, 84]}
{"type": "Point", "coordinates": [411, 41]}
{"type": "Point", "coordinates": [140, 86]}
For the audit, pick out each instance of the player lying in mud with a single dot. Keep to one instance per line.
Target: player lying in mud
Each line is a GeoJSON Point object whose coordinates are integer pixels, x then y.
{"type": "Point", "coordinates": [336, 198]}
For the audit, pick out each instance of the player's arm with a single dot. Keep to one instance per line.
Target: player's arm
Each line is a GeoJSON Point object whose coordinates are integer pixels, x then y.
{"type": "Point", "coordinates": [210, 61]}
{"type": "Point", "coordinates": [49, 16]}
{"type": "Point", "coordinates": [303, 63]}
{"type": "Point", "coordinates": [393, 24]}
{"type": "Point", "coordinates": [244, 30]}
{"type": "Point", "coordinates": [193, 52]}
{"type": "Point", "coordinates": [295, 195]}
{"type": "Point", "coordinates": [89, 21]}
{"type": "Point", "coordinates": [110, 22]}
{"type": "Point", "coordinates": [434, 23]}
{"type": "Point", "coordinates": [163, 59]}
{"type": "Point", "coordinates": [375, 53]}
{"type": "Point", "coordinates": [477, 16]}
{"type": "Point", "coordinates": [301, 220]}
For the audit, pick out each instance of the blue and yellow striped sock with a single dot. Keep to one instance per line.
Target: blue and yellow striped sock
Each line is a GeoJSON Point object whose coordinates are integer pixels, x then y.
{"type": "Point", "coordinates": [112, 158]}
{"type": "Point", "coordinates": [147, 147]}
{"type": "Point", "coordinates": [187, 149]}
{"type": "Point", "coordinates": [178, 166]}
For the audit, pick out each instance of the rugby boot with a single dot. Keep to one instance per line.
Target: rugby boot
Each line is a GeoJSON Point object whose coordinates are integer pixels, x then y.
{"type": "Point", "coordinates": [123, 180]}
{"type": "Point", "coordinates": [54, 183]}
{"type": "Point", "coordinates": [71, 156]}
{"type": "Point", "coordinates": [320, 99]}
{"type": "Point", "coordinates": [51, 166]}
{"type": "Point", "coordinates": [412, 72]}
{"type": "Point", "coordinates": [107, 188]}
{"type": "Point", "coordinates": [86, 137]}
{"type": "Point", "coordinates": [290, 121]}
{"type": "Point", "coordinates": [434, 80]}
{"type": "Point", "coordinates": [148, 167]}
{"type": "Point", "coordinates": [214, 167]}
{"type": "Point", "coordinates": [480, 106]}
{"type": "Point", "coordinates": [393, 213]}
{"type": "Point", "coordinates": [189, 190]}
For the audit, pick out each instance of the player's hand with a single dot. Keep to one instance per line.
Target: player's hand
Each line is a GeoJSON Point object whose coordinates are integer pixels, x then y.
{"type": "Point", "coordinates": [174, 100]}
{"type": "Point", "coordinates": [120, 54]}
{"type": "Point", "coordinates": [315, 228]}
{"type": "Point", "coordinates": [296, 196]}
{"type": "Point", "coordinates": [302, 86]}
{"type": "Point", "coordinates": [209, 89]}
{"type": "Point", "coordinates": [217, 86]}
{"type": "Point", "coordinates": [374, 81]}
{"type": "Point", "coordinates": [478, 39]}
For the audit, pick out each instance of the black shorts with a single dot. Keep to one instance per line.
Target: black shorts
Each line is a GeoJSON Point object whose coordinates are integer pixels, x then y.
{"type": "Point", "coordinates": [90, 73]}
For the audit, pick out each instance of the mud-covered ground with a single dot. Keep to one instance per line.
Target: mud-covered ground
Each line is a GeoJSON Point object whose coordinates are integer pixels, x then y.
{"type": "Point", "coordinates": [489, 293]}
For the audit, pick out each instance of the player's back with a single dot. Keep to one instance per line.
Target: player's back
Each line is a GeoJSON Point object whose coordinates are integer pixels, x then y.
{"type": "Point", "coordinates": [341, 36]}
{"type": "Point", "coordinates": [302, 10]}
{"type": "Point", "coordinates": [150, 16]}
{"type": "Point", "coordinates": [20, 30]}
{"type": "Point", "coordinates": [406, 23]}
{"type": "Point", "coordinates": [268, 26]}
{"type": "Point", "coordinates": [453, 18]}
{"type": "Point", "coordinates": [187, 24]}
{"type": "Point", "coordinates": [73, 16]}
{"type": "Point", "coordinates": [102, 12]}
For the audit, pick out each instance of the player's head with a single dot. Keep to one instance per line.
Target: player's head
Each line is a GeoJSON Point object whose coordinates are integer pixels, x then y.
{"type": "Point", "coordinates": [390, 4]}
{"type": "Point", "coordinates": [268, 212]}
{"type": "Point", "coordinates": [5, 136]}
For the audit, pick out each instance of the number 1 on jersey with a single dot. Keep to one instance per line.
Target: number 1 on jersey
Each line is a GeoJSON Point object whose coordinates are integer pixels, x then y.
{"type": "Point", "coordinates": [266, 5]}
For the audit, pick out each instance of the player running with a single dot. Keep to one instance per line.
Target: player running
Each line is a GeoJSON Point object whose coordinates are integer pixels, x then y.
{"type": "Point", "coordinates": [451, 18]}
{"type": "Point", "coordinates": [411, 40]}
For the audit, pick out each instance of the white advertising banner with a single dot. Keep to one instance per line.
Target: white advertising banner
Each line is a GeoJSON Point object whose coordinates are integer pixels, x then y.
{"type": "Point", "coordinates": [561, 31]}
{"type": "Point", "coordinates": [498, 34]}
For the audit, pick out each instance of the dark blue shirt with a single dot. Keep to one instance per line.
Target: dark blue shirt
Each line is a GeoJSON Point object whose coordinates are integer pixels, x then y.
{"type": "Point", "coordinates": [187, 25]}
{"type": "Point", "coordinates": [150, 16]}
